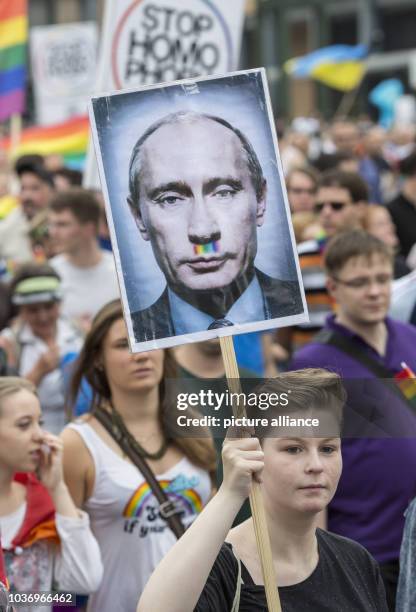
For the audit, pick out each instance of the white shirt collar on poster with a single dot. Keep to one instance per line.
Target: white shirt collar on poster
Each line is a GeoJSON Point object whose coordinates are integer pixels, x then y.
{"type": "Point", "coordinates": [248, 308]}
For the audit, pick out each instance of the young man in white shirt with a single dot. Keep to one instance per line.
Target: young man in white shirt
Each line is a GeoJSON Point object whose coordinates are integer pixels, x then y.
{"type": "Point", "coordinates": [35, 191]}
{"type": "Point", "coordinates": [88, 273]}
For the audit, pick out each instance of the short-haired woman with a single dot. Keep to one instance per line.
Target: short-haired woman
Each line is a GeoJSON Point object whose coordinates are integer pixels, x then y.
{"type": "Point", "coordinates": [316, 571]}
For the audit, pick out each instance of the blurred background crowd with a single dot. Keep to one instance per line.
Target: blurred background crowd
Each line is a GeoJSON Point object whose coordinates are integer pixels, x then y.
{"type": "Point", "coordinates": [341, 174]}
{"type": "Point", "coordinates": [350, 173]}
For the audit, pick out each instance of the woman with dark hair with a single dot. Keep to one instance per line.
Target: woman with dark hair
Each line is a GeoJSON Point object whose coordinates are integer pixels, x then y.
{"type": "Point", "coordinates": [130, 410]}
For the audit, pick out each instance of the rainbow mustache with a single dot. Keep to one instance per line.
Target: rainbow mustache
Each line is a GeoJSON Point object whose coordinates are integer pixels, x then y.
{"type": "Point", "coordinates": [209, 247]}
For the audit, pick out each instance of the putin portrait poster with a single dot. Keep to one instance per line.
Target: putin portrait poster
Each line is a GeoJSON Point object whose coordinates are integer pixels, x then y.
{"type": "Point", "coordinates": [197, 209]}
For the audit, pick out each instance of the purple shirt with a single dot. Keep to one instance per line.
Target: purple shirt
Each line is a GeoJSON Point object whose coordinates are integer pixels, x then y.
{"type": "Point", "coordinates": [379, 473]}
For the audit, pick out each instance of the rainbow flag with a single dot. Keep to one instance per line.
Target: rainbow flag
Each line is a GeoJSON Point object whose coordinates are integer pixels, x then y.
{"type": "Point", "coordinates": [321, 240]}
{"type": "Point", "coordinates": [68, 139]}
{"type": "Point", "coordinates": [338, 66]}
{"type": "Point", "coordinates": [406, 381]}
{"type": "Point", "coordinates": [13, 43]}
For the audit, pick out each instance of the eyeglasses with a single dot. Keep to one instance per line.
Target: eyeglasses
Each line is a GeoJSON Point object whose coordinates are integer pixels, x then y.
{"type": "Point", "coordinates": [364, 281]}
{"type": "Point", "coordinates": [335, 206]}
{"type": "Point", "coordinates": [300, 190]}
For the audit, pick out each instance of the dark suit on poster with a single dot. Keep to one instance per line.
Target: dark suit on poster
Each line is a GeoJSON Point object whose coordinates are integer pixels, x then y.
{"type": "Point", "coordinates": [280, 299]}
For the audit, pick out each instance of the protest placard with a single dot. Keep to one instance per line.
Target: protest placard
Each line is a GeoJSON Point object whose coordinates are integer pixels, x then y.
{"type": "Point", "coordinates": [153, 41]}
{"type": "Point", "coordinates": [63, 59]}
{"type": "Point", "coordinates": [197, 208]}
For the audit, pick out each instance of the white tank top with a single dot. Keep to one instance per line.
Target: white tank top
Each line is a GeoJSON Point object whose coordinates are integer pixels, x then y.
{"type": "Point", "coordinates": [124, 518]}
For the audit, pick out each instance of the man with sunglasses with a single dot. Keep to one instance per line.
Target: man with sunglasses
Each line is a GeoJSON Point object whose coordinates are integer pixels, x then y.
{"type": "Point", "coordinates": [340, 201]}
{"type": "Point", "coordinates": [364, 345]}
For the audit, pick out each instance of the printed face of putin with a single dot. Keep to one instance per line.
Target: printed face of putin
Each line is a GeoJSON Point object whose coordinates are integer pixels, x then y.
{"type": "Point", "coordinates": [198, 195]}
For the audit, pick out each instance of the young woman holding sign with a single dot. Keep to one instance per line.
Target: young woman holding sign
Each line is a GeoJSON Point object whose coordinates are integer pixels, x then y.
{"type": "Point", "coordinates": [133, 527]}
{"type": "Point", "coordinates": [316, 571]}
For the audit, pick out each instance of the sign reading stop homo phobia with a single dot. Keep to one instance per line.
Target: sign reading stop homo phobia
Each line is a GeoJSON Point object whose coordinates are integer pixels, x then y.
{"type": "Point", "coordinates": [152, 41]}
{"type": "Point", "coordinates": [64, 68]}
{"type": "Point", "coordinates": [155, 41]}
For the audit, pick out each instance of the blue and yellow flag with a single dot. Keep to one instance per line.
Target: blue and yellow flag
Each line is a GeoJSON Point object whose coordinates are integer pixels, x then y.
{"type": "Point", "coordinates": [338, 66]}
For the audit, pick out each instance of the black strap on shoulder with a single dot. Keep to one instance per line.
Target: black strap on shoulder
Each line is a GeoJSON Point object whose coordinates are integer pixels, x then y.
{"type": "Point", "coordinates": [347, 346]}
{"type": "Point", "coordinates": [412, 319]}
{"type": "Point", "coordinates": [344, 344]}
{"type": "Point", "coordinates": [169, 510]}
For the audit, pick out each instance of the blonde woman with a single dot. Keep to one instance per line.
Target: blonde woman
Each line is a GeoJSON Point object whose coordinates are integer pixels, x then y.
{"type": "Point", "coordinates": [46, 540]}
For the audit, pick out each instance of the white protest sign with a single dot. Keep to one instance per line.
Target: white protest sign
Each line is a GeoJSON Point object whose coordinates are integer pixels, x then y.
{"type": "Point", "coordinates": [152, 41]}
{"type": "Point", "coordinates": [64, 68]}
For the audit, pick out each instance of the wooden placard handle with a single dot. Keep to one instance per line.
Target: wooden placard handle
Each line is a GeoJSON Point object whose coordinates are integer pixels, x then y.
{"type": "Point", "coordinates": [256, 500]}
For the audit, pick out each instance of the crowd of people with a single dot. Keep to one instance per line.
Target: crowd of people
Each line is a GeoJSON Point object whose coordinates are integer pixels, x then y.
{"type": "Point", "coordinates": [86, 427]}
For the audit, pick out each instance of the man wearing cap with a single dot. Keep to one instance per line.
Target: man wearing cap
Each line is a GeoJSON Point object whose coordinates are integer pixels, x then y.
{"type": "Point", "coordinates": [40, 338]}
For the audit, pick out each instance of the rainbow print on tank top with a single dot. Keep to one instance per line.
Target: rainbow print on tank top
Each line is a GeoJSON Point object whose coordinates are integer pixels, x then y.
{"type": "Point", "coordinates": [189, 498]}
